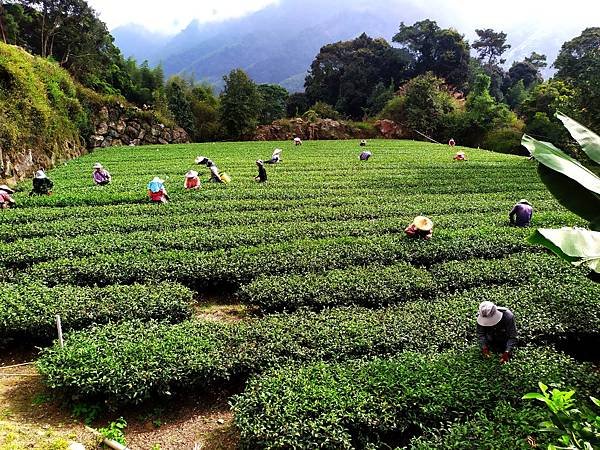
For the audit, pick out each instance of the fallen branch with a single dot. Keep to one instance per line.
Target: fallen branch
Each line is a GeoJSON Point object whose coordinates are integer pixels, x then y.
{"type": "Point", "coordinates": [108, 442]}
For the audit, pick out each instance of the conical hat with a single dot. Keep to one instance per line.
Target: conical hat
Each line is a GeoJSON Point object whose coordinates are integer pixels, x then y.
{"type": "Point", "coordinates": [423, 223]}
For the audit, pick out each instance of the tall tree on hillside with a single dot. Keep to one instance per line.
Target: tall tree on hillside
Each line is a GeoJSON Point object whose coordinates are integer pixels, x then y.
{"type": "Point", "coordinates": [179, 103]}
{"type": "Point", "coordinates": [526, 72]}
{"type": "Point", "coordinates": [578, 64]}
{"type": "Point", "coordinates": [538, 60]}
{"type": "Point", "coordinates": [441, 51]}
{"type": "Point", "coordinates": [344, 74]}
{"type": "Point", "coordinates": [273, 103]}
{"type": "Point", "coordinates": [490, 46]}
{"type": "Point", "coordinates": [240, 104]}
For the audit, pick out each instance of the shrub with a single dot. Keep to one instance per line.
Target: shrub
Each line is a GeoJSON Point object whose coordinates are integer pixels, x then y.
{"type": "Point", "coordinates": [384, 402]}
{"type": "Point", "coordinates": [29, 310]}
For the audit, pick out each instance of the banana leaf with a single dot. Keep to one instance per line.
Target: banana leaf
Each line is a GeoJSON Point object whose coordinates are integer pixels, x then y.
{"type": "Point", "coordinates": [573, 185]}
{"type": "Point", "coordinates": [589, 141]}
{"type": "Point", "coordinates": [575, 245]}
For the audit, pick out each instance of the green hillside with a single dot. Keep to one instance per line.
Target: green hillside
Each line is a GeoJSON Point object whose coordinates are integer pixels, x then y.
{"type": "Point", "coordinates": [357, 336]}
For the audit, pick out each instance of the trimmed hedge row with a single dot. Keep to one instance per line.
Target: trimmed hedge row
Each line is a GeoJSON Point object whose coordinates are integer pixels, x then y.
{"type": "Point", "coordinates": [376, 286]}
{"type": "Point", "coordinates": [383, 403]}
{"type": "Point", "coordinates": [112, 362]}
{"type": "Point", "coordinates": [29, 310]}
{"type": "Point", "coordinates": [232, 268]}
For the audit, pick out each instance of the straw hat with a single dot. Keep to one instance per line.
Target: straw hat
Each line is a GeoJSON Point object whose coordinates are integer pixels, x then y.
{"type": "Point", "coordinates": [97, 166]}
{"type": "Point", "coordinates": [260, 162]}
{"type": "Point", "coordinates": [423, 223]}
{"type": "Point", "coordinates": [40, 175]}
{"type": "Point", "coordinates": [488, 314]}
{"type": "Point", "coordinates": [201, 159]}
{"type": "Point", "coordinates": [5, 188]}
{"type": "Point", "coordinates": [191, 174]}
{"type": "Point", "coordinates": [525, 202]}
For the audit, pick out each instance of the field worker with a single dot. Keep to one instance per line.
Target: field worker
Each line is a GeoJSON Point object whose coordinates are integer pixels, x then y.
{"type": "Point", "coordinates": [297, 140]}
{"type": "Point", "coordinates": [42, 185]}
{"type": "Point", "coordinates": [215, 176]}
{"type": "Point", "coordinates": [157, 191]}
{"type": "Point", "coordinates": [363, 143]}
{"type": "Point", "coordinates": [521, 214]}
{"type": "Point", "coordinates": [460, 156]}
{"type": "Point", "coordinates": [191, 180]}
{"type": "Point", "coordinates": [6, 201]}
{"type": "Point", "coordinates": [364, 156]}
{"type": "Point", "coordinates": [262, 172]}
{"type": "Point", "coordinates": [101, 175]}
{"type": "Point", "coordinates": [275, 157]}
{"type": "Point", "coordinates": [496, 330]}
{"type": "Point", "coordinates": [421, 227]}
{"type": "Point", "coordinates": [451, 142]}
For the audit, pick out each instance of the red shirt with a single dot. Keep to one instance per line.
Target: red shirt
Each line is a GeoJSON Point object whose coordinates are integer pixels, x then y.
{"type": "Point", "coordinates": [191, 183]}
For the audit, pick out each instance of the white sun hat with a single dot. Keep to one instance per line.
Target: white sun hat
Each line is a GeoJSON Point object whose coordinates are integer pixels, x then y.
{"type": "Point", "coordinates": [200, 159]}
{"type": "Point", "coordinates": [525, 202]}
{"type": "Point", "coordinates": [97, 166]}
{"type": "Point", "coordinates": [157, 180]}
{"type": "Point", "coordinates": [488, 314]}
{"type": "Point", "coordinates": [191, 174]}
{"type": "Point", "coordinates": [40, 175]}
{"type": "Point", "coordinates": [423, 223]}
{"type": "Point", "coordinates": [5, 188]}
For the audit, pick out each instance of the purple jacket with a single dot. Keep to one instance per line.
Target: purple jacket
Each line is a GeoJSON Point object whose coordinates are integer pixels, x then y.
{"type": "Point", "coordinates": [101, 176]}
{"type": "Point", "coordinates": [522, 212]}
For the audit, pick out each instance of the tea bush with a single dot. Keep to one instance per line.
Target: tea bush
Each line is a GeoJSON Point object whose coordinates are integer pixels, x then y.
{"type": "Point", "coordinates": [29, 310]}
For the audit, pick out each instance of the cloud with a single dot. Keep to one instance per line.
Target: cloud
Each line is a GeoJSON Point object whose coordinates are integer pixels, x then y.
{"type": "Point", "coordinates": [171, 16]}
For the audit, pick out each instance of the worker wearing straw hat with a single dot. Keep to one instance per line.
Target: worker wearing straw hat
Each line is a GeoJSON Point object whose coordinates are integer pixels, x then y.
{"type": "Point", "coordinates": [101, 175]}
{"type": "Point", "coordinates": [42, 185]}
{"type": "Point", "coordinates": [496, 330]}
{"type": "Point", "coordinates": [460, 156]}
{"type": "Point", "coordinates": [275, 157]}
{"type": "Point", "coordinates": [421, 227]}
{"type": "Point", "coordinates": [215, 175]}
{"type": "Point", "coordinates": [157, 191]}
{"type": "Point", "coordinates": [6, 201]}
{"type": "Point", "coordinates": [521, 214]}
{"type": "Point", "coordinates": [191, 180]}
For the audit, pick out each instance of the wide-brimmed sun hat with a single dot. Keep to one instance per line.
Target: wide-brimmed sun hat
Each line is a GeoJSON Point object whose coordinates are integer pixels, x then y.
{"type": "Point", "coordinates": [200, 159]}
{"type": "Point", "coordinates": [5, 188]}
{"type": "Point", "coordinates": [423, 223]}
{"type": "Point", "coordinates": [191, 174]}
{"type": "Point", "coordinates": [40, 174]}
{"type": "Point", "coordinates": [259, 162]}
{"type": "Point", "coordinates": [157, 180]}
{"type": "Point", "coordinates": [488, 314]}
{"type": "Point", "coordinates": [524, 201]}
{"type": "Point", "coordinates": [97, 166]}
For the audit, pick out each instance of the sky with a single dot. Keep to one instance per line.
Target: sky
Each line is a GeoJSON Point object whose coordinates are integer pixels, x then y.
{"type": "Point", "coordinates": [174, 15]}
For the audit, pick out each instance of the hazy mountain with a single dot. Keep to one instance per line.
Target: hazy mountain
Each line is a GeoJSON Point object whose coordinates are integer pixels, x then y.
{"type": "Point", "coordinates": [278, 43]}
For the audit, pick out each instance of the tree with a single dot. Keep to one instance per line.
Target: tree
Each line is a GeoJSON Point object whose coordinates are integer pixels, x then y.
{"type": "Point", "coordinates": [490, 46]}
{"type": "Point", "coordinates": [422, 106]}
{"type": "Point", "coordinates": [240, 104]}
{"type": "Point", "coordinates": [379, 97]}
{"type": "Point", "coordinates": [179, 103]}
{"type": "Point", "coordinates": [297, 104]}
{"type": "Point", "coordinates": [273, 103]}
{"type": "Point", "coordinates": [444, 52]}
{"type": "Point", "coordinates": [578, 65]}
{"type": "Point", "coordinates": [526, 72]}
{"type": "Point", "coordinates": [344, 74]}
{"type": "Point", "coordinates": [537, 60]}
{"type": "Point", "coordinates": [205, 108]}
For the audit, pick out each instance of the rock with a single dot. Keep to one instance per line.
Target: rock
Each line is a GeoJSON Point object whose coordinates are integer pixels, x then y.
{"type": "Point", "coordinates": [142, 134]}
{"type": "Point", "coordinates": [220, 421]}
{"type": "Point", "coordinates": [107, 142]}
{"type": "Point", "coordinates": [135, 142]}
{"type": "Point", "coordinates": [167, 136]}
{"type": "Point", "coordinates": [134, 124]}
{"type": "Point", "coordinates": [96, 141]}
{"type": "Point", "coordinates": [131, 132]}
{"type": "Point", "coordinates": [162, 141]}
{"type": "Point", "coordinates": [155, 131]}
{"type": "Point", "coordinates": [76, 446]}
{"type": "Point", "coordinates": [117, 143]}
{"type": "Point", "coordinates": [120, 127]}
{"type": "Point", "coordinates": [102, 128]}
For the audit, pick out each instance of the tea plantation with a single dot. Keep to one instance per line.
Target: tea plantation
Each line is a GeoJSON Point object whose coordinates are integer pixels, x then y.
{"type": "Point", "coordinates": [359, 337]}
